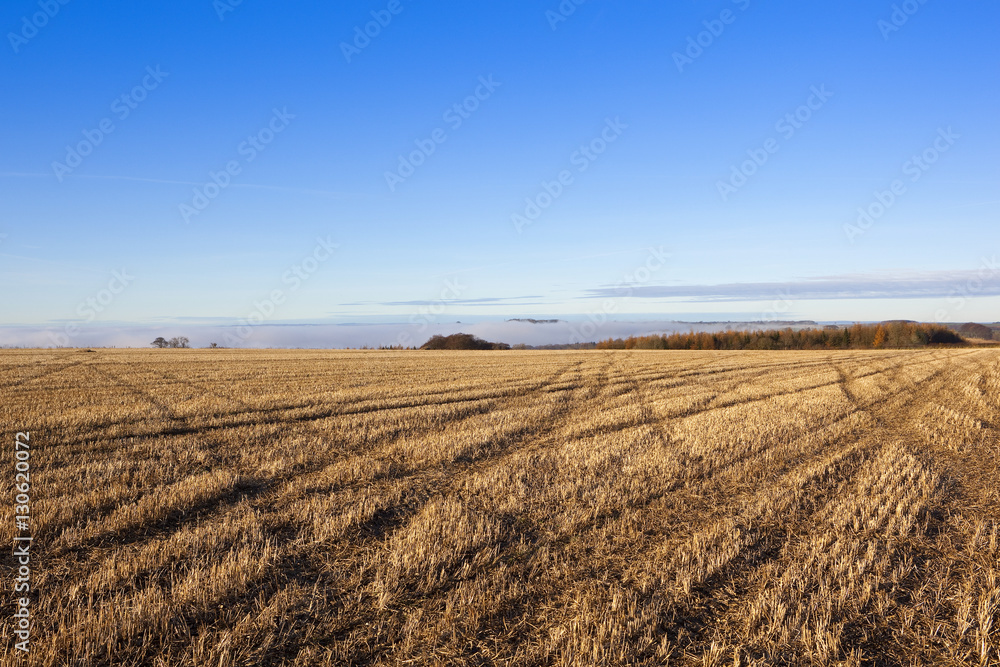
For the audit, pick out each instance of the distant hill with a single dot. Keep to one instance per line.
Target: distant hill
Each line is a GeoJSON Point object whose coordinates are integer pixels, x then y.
{"type": "Point", "coordinates": [973, 330]}
{"type": "Point", "coordinates": [461, 341]}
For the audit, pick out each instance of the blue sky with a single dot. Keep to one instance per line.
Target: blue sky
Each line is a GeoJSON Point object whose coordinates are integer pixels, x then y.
{"type": "Point", "coordinates": [643, 125]}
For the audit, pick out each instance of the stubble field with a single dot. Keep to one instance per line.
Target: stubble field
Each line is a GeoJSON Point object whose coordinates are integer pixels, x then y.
{"type": "Point", "coordinates": [223, 507]}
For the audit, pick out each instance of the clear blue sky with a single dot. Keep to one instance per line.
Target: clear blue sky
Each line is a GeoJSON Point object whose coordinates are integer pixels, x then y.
{"type": "Point", "coordinates": [443, 237]}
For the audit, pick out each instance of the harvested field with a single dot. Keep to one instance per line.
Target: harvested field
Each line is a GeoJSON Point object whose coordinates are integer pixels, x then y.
{"type": "Point", "coordinates": [224, 507]}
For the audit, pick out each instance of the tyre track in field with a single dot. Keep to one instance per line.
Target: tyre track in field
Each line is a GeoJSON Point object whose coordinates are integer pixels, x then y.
{"type": "Point", "coordinates": [277, 415]}
{"type": "Point", "coordinates": [299, 563]}
{"type": "Point", "coordinates": [262, 494]}
{"type": "Point", "coordinates": [251, 411]}
{"type": "Point", "coordinates": [679, 611]}
{"type": "Point", "coordinates": [974, 466]}
{"type": "Point", "coordinates": [889, 427]}
{"type": "Point", "coordinates": [396, 472]}
{"type": "Point", "coordinates": [876, 408]}
{"type": "Point", "coordinates": [448, 482]}
{"type": "Point", "coordinates": [206, 390]}
{"type": "Point", "coordinates": [444, 477]}
{"type": "Point", "coordinates": [761, 546]}
{"type": "Point", "coordinates": [226, 500]}
{"type": "Point", "coordinates": [709, 407]}
{"type": "Point", "coordinates": [44, 372]}
{"type": "Point", "coordinates": [439, 473]}
{"type": "Point", "coordinates": [656, 423]}
{"type": "Point", "coordinates": [139, 392]}
{"type": "Point", "coordinates": [844, 382]}
{"type": "Point", "coordinates": [423, 486]}
{"type": "Point", "coordinates": [706, 475]}
{"type": "Point", "coordinates": [651, 420]}
{"type": "Point", "coordinates": [527, 612]}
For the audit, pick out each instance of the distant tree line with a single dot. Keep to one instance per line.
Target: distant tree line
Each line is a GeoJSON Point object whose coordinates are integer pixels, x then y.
{"type": "Point", "coordinates": [859, 336]}
{"type": "Point", "coordinates": [176, 341]}
{"type": "Point", "coordinates": [461, 341]}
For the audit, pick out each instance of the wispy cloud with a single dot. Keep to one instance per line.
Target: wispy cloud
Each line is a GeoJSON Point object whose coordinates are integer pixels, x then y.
{"type": "Point", "coordinates": [494, 300]}
{"type": "Point", "coordinates": [166, 181]}
{"type": "Point", "coordinates": [910, 285]}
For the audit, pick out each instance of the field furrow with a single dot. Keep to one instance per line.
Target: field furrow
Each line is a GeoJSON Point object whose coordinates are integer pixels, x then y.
{"type": "Point", "coordinates": [231, 507]}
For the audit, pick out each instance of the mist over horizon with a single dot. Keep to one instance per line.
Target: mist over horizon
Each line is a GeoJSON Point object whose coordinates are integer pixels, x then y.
{"type": "Point", "coordinates": [373, 335]}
